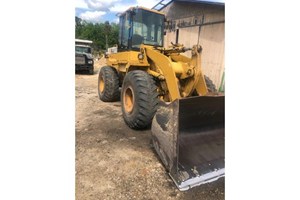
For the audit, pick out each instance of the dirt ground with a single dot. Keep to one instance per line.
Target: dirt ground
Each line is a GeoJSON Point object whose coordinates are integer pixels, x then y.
{"type": "Point", "coordinates": [115, 162]}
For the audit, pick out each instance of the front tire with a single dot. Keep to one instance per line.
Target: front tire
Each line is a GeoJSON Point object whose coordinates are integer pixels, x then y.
{"type": "Point", "coordinates": [108, 84]}
{"type": "Point", "coordinates": [91, 71]}
{"type": "Point", "coordinates": [139, 99]}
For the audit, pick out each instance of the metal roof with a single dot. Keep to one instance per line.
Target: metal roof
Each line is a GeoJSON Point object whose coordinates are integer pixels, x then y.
{"type": "Point", "coordinates": [163, 3]}
{"type": "Point", "coordinates": [83, 41]}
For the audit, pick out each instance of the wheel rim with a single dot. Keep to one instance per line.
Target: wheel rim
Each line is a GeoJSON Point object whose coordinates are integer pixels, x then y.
{"type": "Point", "coordinates": [128, 100]}
{"type": "Point", "coordinates": [101, 84]}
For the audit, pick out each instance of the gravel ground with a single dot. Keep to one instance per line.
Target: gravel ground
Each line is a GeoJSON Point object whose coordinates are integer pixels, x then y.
{"type": "Point", "coordinates": [115, 162]}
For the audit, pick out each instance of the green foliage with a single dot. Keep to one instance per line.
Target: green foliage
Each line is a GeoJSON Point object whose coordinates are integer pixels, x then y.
{"type": "Point", "coordinates": [97, 33]}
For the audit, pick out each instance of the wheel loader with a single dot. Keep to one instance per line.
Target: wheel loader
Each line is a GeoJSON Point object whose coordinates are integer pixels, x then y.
{"type": "Point", "coordinates": [164, 89]}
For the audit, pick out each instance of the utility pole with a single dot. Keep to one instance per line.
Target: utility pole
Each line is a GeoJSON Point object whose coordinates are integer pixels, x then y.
{"type": "Point", "coordinates": [106, 44]}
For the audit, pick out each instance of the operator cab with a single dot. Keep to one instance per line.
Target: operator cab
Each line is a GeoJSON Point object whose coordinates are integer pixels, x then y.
{"type": "Point", "coordinates": [140, 26]}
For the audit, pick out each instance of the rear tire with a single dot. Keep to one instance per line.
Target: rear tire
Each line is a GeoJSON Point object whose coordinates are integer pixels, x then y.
{"type": "Point", "coordinates": [209, 84]}
{"type": "Point", "coordinates": [108, 84]}
{"type": "Point", "coordinates": [139, 99]}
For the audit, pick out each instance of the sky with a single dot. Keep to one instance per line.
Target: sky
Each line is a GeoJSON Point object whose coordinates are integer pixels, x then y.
{"type": "Point", "coordinates": [105, 10]}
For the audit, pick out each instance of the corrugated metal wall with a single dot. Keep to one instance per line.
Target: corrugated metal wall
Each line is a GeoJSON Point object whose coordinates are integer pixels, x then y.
{"type": "Point", "coordinates": [187, 17]}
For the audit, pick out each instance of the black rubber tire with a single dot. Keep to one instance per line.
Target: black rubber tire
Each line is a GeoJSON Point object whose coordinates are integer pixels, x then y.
{"type": "Point", "coordinates": [209, 84]}
{"type": "Point", "coordinates": [109, 80]}
{"type": "Point", "coordinates": [145, 99]}
{"type": "Point", "coordinates": [91, 71]}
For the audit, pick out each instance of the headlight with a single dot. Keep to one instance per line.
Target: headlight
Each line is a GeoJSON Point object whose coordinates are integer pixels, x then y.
{"type": "Point", "coordinates": [90, 61]}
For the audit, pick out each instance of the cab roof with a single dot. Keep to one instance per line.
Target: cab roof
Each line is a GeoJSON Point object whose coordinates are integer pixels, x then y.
{"type": "Point", "coordinates": [143, 8]}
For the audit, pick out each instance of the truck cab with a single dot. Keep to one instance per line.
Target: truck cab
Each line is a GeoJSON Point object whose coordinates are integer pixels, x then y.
{"type": "Point", "coordinates": [83, 56]}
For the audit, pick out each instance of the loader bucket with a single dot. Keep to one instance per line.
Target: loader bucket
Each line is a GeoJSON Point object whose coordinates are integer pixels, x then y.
{"type": "Point", "coordinates": [188, 136]}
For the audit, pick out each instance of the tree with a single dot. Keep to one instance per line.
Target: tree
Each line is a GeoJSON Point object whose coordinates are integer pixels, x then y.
{"type": "Point", "coordinates": [103, 35]}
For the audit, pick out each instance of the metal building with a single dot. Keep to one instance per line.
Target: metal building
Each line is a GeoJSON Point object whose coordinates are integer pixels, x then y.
{"type": "Point", "coordinates": [191, 22]}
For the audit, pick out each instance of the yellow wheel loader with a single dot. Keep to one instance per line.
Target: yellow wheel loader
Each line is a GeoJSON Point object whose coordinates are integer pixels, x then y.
{"type": "Point", "coordinates": [165, 89]}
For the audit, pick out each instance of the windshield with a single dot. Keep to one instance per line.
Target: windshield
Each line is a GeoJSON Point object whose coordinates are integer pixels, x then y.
{"type": "Point", "coordinates": [81, 49]}
{"type": "Point", "coordinates": [147, 28]}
